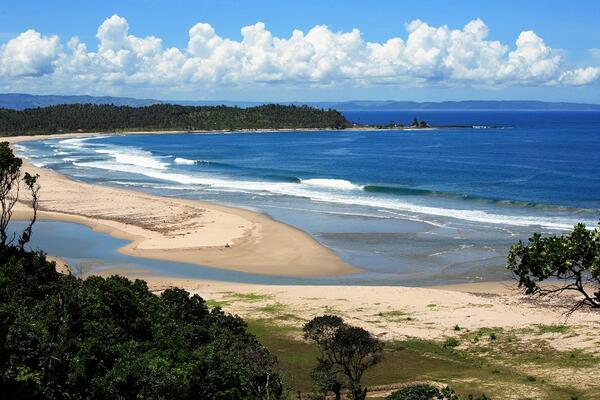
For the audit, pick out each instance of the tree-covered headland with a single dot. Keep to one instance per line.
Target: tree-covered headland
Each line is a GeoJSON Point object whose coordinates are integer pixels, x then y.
{"type": "Point", "coordinates": [105, 118]}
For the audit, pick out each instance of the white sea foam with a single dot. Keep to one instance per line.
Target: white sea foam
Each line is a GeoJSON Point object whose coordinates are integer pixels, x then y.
{"type": "Point", "coordinates": [74, 143]}
{"type": "Point", "coordinates": [71, 159]}
{"type": "Point", "coordinates": [130, 156]}
{"type": "Point", "coordinates": [339, 184]}
{"type": "Point", "coordinates": [337, 197]}
{"type": "Point", "coordinates": [184, 161]}
{"type": "Point", "coordinates": [334, 191]}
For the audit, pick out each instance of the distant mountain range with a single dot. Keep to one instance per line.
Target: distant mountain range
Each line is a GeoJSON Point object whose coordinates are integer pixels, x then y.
{"type": "Point", "coordinates": [457, 105]}
{"type": "Point", "coordinates": [20, 101]}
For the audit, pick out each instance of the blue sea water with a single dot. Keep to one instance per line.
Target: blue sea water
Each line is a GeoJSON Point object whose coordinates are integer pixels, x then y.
{"type": "Point", "coordinates": [416, 207]}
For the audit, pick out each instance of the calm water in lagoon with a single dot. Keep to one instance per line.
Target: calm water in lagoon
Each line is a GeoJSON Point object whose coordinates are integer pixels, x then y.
{"type": "Point", "coordinates": [414, 206]}
{"type": "Point", "coordinates": [88, 251]}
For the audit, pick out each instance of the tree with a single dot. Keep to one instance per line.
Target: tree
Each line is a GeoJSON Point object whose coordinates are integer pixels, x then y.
{"type": "Point", "coordinates": [33, 186]}
{"type": "Point", "coordinates": [327, 375]}
{"type": "Point", "coordinates": [108, 117]}
{"type": "Point", "coordinates": [10, 172]}
{"type": "Point", "coordinates": [63, 337]}
{"type": "Point", "coordinates": [573, 260]}
{"type": "Point", "coordinates": [415, 123]}
{"type": "Point", "coordinates": [346, 353]}
{"type": "Point", "coordinates": [328, 378]}
{"type": "Point", "coordinates": [10, 184]}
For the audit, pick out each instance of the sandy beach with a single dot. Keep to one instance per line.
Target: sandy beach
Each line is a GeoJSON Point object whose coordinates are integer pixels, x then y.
{"type": "Point", "coordinates": [397, 312]}
{"type": "Point", "coordinates": [181, 230]}
{"type": "Point", "coordinates": [197, 232]}
{"type": "Point", "coordinates": [487, 318]}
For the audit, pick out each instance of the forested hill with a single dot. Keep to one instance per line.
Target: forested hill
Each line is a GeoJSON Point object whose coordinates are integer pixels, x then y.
{"type": "Point", "coordinates": [104, 118]}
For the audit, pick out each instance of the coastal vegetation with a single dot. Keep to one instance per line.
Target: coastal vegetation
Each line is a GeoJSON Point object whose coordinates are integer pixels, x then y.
{"type": "Point", "coordinates": [106, 117]}
{"type": "Point", "coordinates": [64, 337]}
{"type": "Point", "coordinates": [424, 392]}
{"type": "Point", "coordinates": [571, 262]}
{"type": "Point", "coordinates": [508, 367]}
{"type": "Point", "coordinates": [67, 337]}
{"type": "Point", "coordinates": [346, 352]}
{"type": "Point", "coordinates": [11, 179]}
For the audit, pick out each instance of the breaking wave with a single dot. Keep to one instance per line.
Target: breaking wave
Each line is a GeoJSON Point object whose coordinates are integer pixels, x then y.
{"type": "Point", "coordinates": [184, 161]}
{"type": "Point", "coordinates": [406, 202]}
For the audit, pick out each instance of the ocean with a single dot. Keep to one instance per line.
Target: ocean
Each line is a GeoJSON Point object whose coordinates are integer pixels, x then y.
{"type": "Point", "coordinates": [412, 207]}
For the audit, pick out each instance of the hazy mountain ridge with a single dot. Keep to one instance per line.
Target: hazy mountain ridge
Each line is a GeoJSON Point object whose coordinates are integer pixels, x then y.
{"type": "Point", "coordinates": [20, 101]}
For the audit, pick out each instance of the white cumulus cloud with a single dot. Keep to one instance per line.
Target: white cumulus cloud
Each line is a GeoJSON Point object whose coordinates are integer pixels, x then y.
{"type": "Point", "coordinates": [580, 76]}
{"type": "Point", "coordinates": [29, 54]}
{"type": "Point", "coordinates": [427, 55]}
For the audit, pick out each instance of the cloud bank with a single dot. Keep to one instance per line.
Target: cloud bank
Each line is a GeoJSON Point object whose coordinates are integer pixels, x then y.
{"type": "Point", "coordinates": [428, 56]}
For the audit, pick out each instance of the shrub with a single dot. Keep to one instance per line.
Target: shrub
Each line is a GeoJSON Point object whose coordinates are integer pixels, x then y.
{"type": "Point", "coordinates": [109, 338]}
{"type": "Point", "coordinates": [451, 342]}
{"type": "Point", "coordinates": [423, 392]}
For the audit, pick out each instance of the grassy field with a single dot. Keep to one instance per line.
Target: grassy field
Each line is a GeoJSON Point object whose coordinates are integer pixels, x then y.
{"type": "Point", "coordinates": [488, 361]}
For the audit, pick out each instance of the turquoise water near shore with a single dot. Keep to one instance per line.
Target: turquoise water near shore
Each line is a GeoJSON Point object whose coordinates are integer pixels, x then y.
{"type": "Point", "coordinates": [411, 207]}
{"type": "Point", "coordinates": [87, 251]}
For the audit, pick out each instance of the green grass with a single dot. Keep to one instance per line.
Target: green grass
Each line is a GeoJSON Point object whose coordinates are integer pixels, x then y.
{"type": "Point", "coordinates": [232, 297]}
{"type": "Point", "coordinates": [468, 371]}
{"type": "Point", "coordinates": [490, 333]}
{"type": "Point", "coordinates": [542, 329]}
{"type": "Point", "coordinates": [247, 297]}
{"type": "Point", "coordinates": [273, 309]}
{"type": "Point", "coordinates": [216, 303]}
{"type": "Point", "coordinates": [451, 342]}
{"type": "Point", "coordinates": [395, 315]}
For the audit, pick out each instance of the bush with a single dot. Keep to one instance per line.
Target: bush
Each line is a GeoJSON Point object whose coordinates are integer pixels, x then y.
{"type": "Point", "coordinates": [428, 392]}
{"type": "Point", "coordinates": [64, 337]}
{"type": "Point", "coordinates": [451, 342]}
{"type": "Point", "coordinates": [423, 392]}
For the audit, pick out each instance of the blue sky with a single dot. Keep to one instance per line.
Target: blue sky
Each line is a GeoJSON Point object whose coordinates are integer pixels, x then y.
{"type": "Point", "coordinates": [148, 50]}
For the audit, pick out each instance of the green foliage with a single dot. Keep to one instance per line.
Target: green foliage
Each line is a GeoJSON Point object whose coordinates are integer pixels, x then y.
{"type": "Point", "coordinates": [64, 337]}
{"type": "Point", "coordinates": [428, 392]}
{"type": "Point", "coordinates": [423, 392]}
{"type": "Point", "coordinates": [451, 342]}
{"type": "Point", "coordinates": [346, 353]}
{"type": "Point", "coordinates": [91, 117]}
{"type": "Point", "coordinates": [573, 260]}
{"type": "Point", "coordinates": [542, 329]}
{"type": "Point", "coordinates": [10, 182]}
{"type": "Point", "coordinates": [10, 172]}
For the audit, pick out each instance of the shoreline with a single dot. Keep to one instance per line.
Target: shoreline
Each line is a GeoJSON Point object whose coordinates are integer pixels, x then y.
{"type": "Point", "coordinates": [235, 254]}
{"type": "Point", "coordinates": [76, 134]}
{"type": "Point", "coordinates": [389, 312]}
{"type": "Point", "coordinates": [180, 230]}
